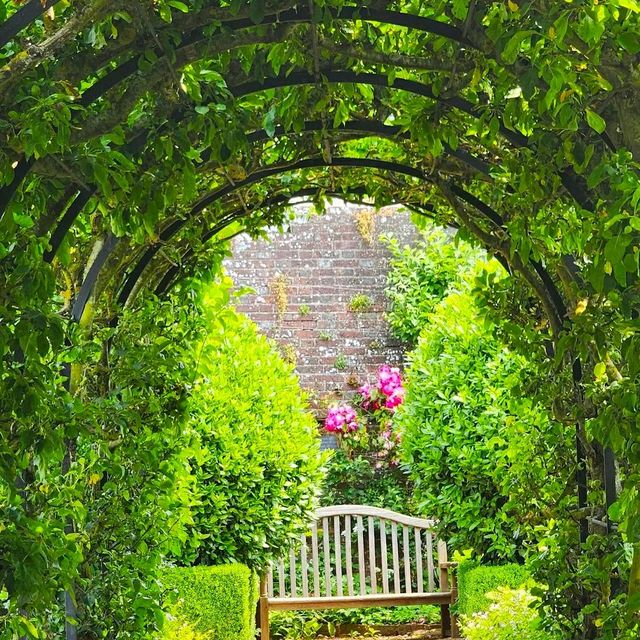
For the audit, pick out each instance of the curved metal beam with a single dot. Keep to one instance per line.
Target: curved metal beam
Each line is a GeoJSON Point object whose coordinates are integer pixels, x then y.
{"type": "Point", "coordinates": [291, 16]}
{"type": "Point", "coordinates": [373, 127]}
{"type": "Point", "coordinates": [22, 18]}
{"type": "Point", "coordinates": [202, 203]}
{"type": "Point", "coordinates": [136, 273]}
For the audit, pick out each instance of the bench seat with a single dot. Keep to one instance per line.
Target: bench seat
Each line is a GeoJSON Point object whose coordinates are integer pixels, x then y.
{"type": "Point", "coordinates": [353, 602]}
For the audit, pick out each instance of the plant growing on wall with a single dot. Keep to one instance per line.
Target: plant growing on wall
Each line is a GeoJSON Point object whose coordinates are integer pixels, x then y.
{"type": "Point", "coordinates": [360, 303]}
{"type": "Point", "coordinates": [341, 362]}
{"type": "Point", "coordinates": [366, 224]}
{"type": "Point", "coordinates": [290, 354]}
{"type": "Point", "coordinates": [279, 287]}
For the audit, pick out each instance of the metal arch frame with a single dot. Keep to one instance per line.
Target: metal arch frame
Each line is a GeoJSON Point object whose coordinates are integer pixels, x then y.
{"type": "Point", "coordinates": [22, 18]}
{"type": "Point", "coordinates": [30, 12]}
{"type": "Point", "coordinates": [373, 127]}
{"type": "Point", "coordinates": [461, 194]}
{"type": "Point", "coordinates": [300, 79]}
{"type": "Point", "coordinates": [135, 274]}
{"type": "Point", "coordinates": [569, 179]}
{"type": "Point", "coordinates": [290, 16]}
{"type": "Point", "coordinates": [303, 78]}
{"type": "Point", "coordinates": [167, 280]}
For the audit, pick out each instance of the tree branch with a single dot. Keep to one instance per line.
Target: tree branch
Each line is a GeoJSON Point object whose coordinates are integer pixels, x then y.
{"type": "Point", "coordinates": [20, 65]}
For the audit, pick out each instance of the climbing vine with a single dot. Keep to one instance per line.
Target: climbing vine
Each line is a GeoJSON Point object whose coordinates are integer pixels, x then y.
{"type": "Point", "coordinates": [136, 137]}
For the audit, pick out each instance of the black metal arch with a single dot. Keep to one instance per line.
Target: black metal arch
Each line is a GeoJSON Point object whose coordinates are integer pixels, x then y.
{"type": "Point", "coordinates": [35, 8]}
{"type": "Point", "coordinates": [290, 16]}
{"type": "Point", "coordinates": [170, 231]}
{"type": "Point", "coordinates": [23, 18]}
{"type": "Point", "coordinates": [571, 182]}
{"type": "Point", "coordinates": [372, 127]}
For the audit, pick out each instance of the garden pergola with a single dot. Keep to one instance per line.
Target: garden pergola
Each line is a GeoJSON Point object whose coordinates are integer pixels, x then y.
{"type": "Point", "coordinates": [138, 136]}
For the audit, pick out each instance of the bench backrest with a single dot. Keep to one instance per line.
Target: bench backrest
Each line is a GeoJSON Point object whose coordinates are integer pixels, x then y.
{"type": "Point", "coordinates": [355, 550]}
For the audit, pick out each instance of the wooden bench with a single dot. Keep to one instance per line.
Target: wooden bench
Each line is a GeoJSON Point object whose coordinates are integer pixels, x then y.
{"type": "Point", "coordinates": [360, 556]}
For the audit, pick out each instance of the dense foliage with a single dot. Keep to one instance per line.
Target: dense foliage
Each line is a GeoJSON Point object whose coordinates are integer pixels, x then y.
{"type": "Point", "coordinates": [117, 117]}
{"type": "Point", "coordinates": [421, 276]}
{"type": "Point", "coordinates": [257, 462]}
{"type": "Point", "coordinates": [511, 615]}
{"type": "Point", "coordinates": [487, 462]}
{"type": "Point", "coordinates": [475, 581]}
{"type": "Point", "coordinates": [211, 602]}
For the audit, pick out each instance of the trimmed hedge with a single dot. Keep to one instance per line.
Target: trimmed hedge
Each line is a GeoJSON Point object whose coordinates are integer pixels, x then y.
{"type": "Point", "coordinates": [220, 599]}
{"type": "Point", "coordinates": [475, 581]}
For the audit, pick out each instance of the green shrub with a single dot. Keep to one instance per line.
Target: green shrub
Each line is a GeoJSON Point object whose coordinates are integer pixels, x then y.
{"type": "Point", "coordinates": [214, 601]}
{"type": "Point", "coordinates": [257, 459]}
{"type": "Point", "coordinates": [175, 629]}
{"type": "Point", "coordinates": [421, 276]}
{"type": "Point", "coordinates": [475, 582]}
{"type": "Point", "coordinates": [487, 463]}
{"type": "Point", "coordinates": [509, 617]}
{"type": "Point", "coordinates": [292, 625]}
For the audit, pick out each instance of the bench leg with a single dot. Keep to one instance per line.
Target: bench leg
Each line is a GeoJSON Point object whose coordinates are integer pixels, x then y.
{"type": "Point", "coordinates": [264, 611]}
{"type": "Point", "coordinates": [445, 620]}
{"type": "Point", "coordinates": [455, 630]}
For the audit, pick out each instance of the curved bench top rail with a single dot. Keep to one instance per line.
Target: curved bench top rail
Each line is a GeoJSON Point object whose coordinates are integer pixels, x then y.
{"type": "Point", "coordinates": [376, 512]}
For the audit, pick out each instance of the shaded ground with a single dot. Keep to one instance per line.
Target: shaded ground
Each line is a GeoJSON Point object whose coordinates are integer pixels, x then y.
{"type": "Point", "coordinates": [400, 632]}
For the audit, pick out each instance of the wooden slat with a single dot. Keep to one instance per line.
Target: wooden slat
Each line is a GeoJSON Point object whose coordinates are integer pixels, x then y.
{"type": "Point", "coordinates": [442, 562]}
{"type": "Point", "coordinates": [348, 559]}
{"type": "Point", "coordinates": [430, 567]}
{"type": "Point", "coordinates": [305, 567]}
{"type": "Point", "coordinates": [364, 510]}
{"type": "Point", "coordinates": [383, 554]}
{"type": "Point", "coordinates": [419, 576]}
{"type": "Point", "coordinates": [361, 564]}
{"type": "Point", "coordinates": [396, 558]}
{"type": "Point", "coordinates": [292, 572]}
{"type": "Point", "coordinates": [407, 559]}
{"type": "Point", "coordinates": [281, 586]}
{"type": "Point", "coordinates": [314, 560]}
{"type": "Point", "coordinates": [372, 556]}
{"type": "Point", "coordinates": [326, 544]}
{"type": "Point", "coordinates": [338, 552]}
{"type": "Point", "coordinates": [270, 581]}
{"type": "Point", "coordinates": [346, 602]}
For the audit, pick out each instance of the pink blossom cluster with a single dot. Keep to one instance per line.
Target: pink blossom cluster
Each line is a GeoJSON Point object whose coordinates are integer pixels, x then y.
{"type": "Point", "coordinates": [388, 391]}
{"type": "Point", "coordinates": [341, 419]}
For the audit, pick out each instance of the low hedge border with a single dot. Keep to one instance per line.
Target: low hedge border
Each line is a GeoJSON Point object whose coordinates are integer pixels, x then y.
{"type": "Point", "coordinates": [221, 599]}
{"type": "Point", "coordinates": [475, 581]}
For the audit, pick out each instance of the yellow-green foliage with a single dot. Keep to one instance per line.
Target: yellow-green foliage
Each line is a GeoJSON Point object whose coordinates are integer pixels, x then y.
{"type": "Point", "coordinates": [258, 466]}
{"type": "Point", "coordinates": [510, 616]}
{"type": "Point", "coordinates": [176, 629]}
{"type": "Point", "coordinates": [475, 582]}
{"type": "Point", "coordinates": [211, 603]}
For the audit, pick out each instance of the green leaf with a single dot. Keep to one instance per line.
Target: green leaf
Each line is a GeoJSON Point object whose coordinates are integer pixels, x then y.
{"type": "Point", "coordinates": [180, 6]}
{"type": "Point", "coordinates": [512, 48]}
{"type": "Point", "coordinates": [629, 41]}
{"type": "Point", "coordinates": [596, 122]}
{"type": "Point", "coordinates": [632, 5]}
{"type": "Point", "coordinates": [600, 370]}
{"type": "Point", "coordinates": [256, 11]}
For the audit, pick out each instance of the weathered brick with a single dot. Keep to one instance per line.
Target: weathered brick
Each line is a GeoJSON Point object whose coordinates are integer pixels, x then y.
{"type": "Point", "coordinates": [326, 262]}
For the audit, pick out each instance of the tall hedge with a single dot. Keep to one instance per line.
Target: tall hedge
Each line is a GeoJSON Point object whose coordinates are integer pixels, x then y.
{"type": "Point", "coordinates": [475, 582]}
{"type": "Point", "coordinates": [216, 600]}
{"type": "Point", "coordinates": [258, 466]}
{"type": "Point", "coordinates": [489, 464]}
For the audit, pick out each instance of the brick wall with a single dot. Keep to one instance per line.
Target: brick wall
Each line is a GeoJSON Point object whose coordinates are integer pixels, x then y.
{"type": "Point", "coordinates": [319, 266]}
